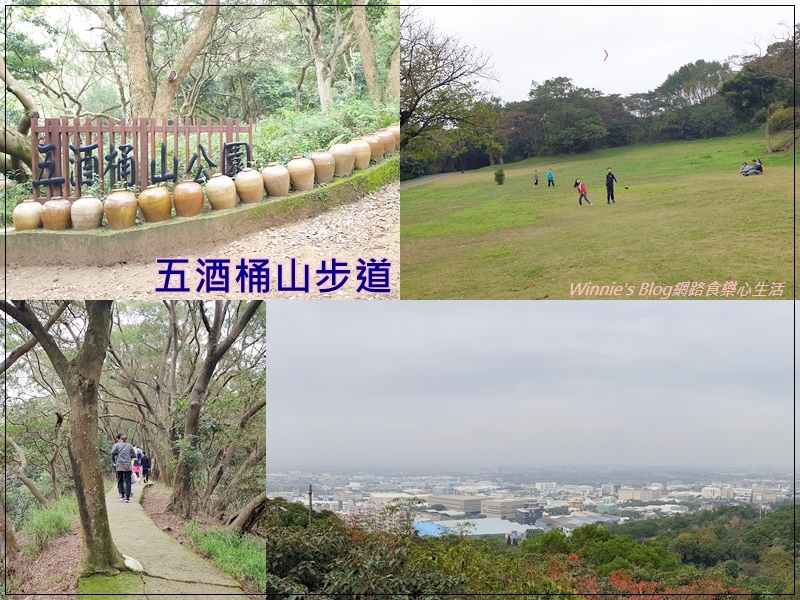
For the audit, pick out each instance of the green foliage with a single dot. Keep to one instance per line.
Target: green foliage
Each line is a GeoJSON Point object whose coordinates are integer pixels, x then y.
{"type": "Point", "coordinates": [279, 137]}
{"type": "Point", "coordinates": [552, 542]}
{"type": "Point", "coordinates": [331, 558]}
{"type": "Point", "coordinates": [499, 176]}
{"type": "Point", "coordinates": [240, 556]}
{"type": "Point", "coordinates": [44, 524]}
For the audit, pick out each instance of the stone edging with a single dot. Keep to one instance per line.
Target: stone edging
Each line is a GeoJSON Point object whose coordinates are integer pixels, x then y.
{"type": "Point", "coordinates": [179, 236]}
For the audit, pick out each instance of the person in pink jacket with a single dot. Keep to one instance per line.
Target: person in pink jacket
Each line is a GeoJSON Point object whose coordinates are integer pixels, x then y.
{"type": "Point", "coordinates": [582, 191]}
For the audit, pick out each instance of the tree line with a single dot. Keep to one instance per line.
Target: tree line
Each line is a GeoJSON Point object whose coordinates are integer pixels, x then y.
{"type": "Point", "coordinates": [450, 122]}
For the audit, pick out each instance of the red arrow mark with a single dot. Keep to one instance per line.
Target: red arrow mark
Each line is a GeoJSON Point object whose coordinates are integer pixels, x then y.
{"type": "Point", "coordinates": [606, 58]}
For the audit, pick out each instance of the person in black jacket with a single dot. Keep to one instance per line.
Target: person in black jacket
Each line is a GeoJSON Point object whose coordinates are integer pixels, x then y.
{"type": "Point", "coordinates": [610, 180]}
{"type": "Point", "coordinates": [145, 466]}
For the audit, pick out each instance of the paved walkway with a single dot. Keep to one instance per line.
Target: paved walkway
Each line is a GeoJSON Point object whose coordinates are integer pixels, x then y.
{"type": "Point", "coordinates": [423, 180]}
{"type": "Point", "coordinates": [169, 568]}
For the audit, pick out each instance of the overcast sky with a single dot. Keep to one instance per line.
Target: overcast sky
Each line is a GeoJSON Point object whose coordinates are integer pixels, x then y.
{"type": "Point", "coordinates": [470, 384]}
{"type": "Point", "coordinates": [644, 44]}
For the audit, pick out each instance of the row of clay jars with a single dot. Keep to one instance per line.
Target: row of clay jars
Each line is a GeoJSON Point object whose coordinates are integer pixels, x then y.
{"type": "Point", "coordinates": [58, 214]}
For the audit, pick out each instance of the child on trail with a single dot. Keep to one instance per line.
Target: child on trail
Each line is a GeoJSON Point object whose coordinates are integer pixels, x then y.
{"type": "Point", "coordinates": [136, 470]}
{"type": "Point", "coordinates": [535, 178]}
{"type": "Point", "coordinates": [610, 180]}
{"type": "Point", "coordinates": [582, 191]}
{"type": "Point", "coordinates": [550, 180]}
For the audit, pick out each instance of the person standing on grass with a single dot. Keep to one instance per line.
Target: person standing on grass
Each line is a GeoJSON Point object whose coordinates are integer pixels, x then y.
{"type": "Point", "coordinates": [582, 191]}
{"type": "Point", "coordinates": [550, 178]}
{"type": "Point", "coordinates": [145, 466]}
{"type": "Point", "coordinates": [535, 178]}
{"type": "Point", "coordinates": [610, 181]}
{"type": "Point", "coordinates": [122, 455]}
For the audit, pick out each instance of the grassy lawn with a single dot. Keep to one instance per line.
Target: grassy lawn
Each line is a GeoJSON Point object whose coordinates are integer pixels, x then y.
{"type": "Point", "coordinates": [687, 216]}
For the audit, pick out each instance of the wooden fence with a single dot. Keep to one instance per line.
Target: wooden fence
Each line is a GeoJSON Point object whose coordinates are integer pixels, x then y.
{"type": "Point", "coordinates": [96, 146]}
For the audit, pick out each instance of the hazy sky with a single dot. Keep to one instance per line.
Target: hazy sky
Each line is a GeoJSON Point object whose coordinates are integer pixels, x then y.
{"type": "Point", "coordinates": [644, 44]}
{"type": "Point", "coordinates": [400, 384]}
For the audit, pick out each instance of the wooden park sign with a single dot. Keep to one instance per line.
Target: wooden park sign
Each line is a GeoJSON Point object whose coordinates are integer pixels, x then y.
{"type": "Point", "coordinates": [69, 156]}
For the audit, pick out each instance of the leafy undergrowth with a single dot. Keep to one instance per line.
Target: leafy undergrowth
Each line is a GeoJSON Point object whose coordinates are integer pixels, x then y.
{"type": "Point", "coordinates": [44, 524]}
{"type": "Point", "coordinates": [241, 557]}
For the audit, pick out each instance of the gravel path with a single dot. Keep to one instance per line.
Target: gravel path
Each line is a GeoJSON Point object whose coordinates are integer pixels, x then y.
{"type": "Point", "coordinates": [368, 228]}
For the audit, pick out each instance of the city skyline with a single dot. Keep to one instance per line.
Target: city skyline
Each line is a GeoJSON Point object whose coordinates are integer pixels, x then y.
{"type": "Point", "coordinates": [452, 384]}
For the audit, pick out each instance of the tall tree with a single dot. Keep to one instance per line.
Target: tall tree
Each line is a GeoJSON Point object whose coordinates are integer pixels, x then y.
{"type": "Point", "coordinates": [218, 343]}
{"type": "Point", "coordinates": [328, 33]}
{"type": "Point", "coordinates": [80, 376]}
{"type": "Point", "coordinates": [439, 78]}
{"type": "Point", "coordinates": [152, 94]}
{"type": "Point", "coordinates": [366, 49]}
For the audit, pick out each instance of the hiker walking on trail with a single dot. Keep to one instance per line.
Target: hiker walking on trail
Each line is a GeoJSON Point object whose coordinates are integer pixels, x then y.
{"type": "Point", "coordinates": [122, 454]}
{"type": "Point", "coordinates": [145, 466]}
{"type": "Point", "coordinates": [550, 178]}
{"type": "Point", "coordinates": [610, 180]}
{"type": "Point", "coordinates": [582, 191]}
{"type": "Point", "coordinates": [535, 178]}
{"type": "Point", "coordinates": [136, 468]}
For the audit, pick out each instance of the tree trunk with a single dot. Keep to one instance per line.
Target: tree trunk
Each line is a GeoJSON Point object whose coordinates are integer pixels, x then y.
{"type": "Point", "coordinates": [23, 466]}
{"type": "Point", "coordinates": [9, 547]}
{"type": "Point", "coordinates": [80, 377]}
{"type": "Point", "coordinates": [324, 85]}
{"type": "Point", "coordinates": [17, 143]}
{"type": "Point", "coordinates": [366, 49]}
{"type": "Point", "coordinates": [51, 462]}
{"type": "Point", "coordinates": [230, 451]}
{"type": "Point", "coordinates": [244, 520]}
{"type": "Point", "coordinates": [393, 76]}
{"type": "Point", "coordinates": [181, 499]}
{"type": "Point", "coordinates": [148, 98]}
{"type": "Point", "coordinates": [253, 459]}
{"type": "Point", "coordinates": [766, 134]}
{"type": "Point", "coordinates": [136, 59]}
{"type": "Point", "coordinates": [100, 555]}
{"type": "Point", "coordinates": [300, 84]}
{"type": "Point", "coordinates": [167, 89]}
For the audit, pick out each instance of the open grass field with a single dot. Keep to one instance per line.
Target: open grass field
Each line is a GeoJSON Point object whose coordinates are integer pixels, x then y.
{"type": "Point", "coordinates": [687, 216]}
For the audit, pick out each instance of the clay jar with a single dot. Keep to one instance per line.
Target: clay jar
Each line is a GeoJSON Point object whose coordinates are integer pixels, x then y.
{"type": "Point", "coordinates": [221, 192]}
{"type": "Point", "coordinates": [86, 213]}
{"type": "Point", "coordinates": [345, 158]}
{"type": "Point", "coordinates": [120, 209]}
{"type": "Point", "coordinates": [188, 197]}
{"type": "Point", "coordinates": [394, 129]}
{"type": "Point", "coordinates": [387, 137]}
{"type": "Point", "coordinates": [56, 214]}
{"type": "Point", "coordinates": [28, 215]}
{"type": "Point", "coordinates": [276, 179]}
{"type": "Point", "coordinates": [249, 185]}
{"type": "Point", "coordinates": [363, 153]}
{"type": "Point", "coordinates": [301, 173]}
{"type": "Point", "coordinates": [375, 146]}
{"type": "Point", "coordinates": [324, 165]}
{"type": "Point", "coordinates": [155, 203]}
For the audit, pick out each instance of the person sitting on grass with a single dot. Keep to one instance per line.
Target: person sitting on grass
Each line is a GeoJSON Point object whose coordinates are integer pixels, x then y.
{"type": "Point", "coordinates": [582, 191]}
{"type": "Point", "coordinates": [745, 168]}
{"type": "Point", "coordinates": [756, 169]}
